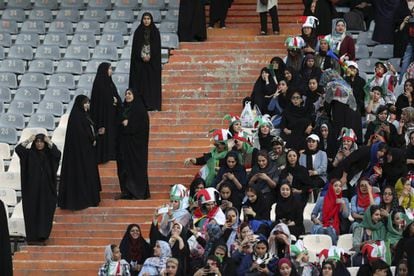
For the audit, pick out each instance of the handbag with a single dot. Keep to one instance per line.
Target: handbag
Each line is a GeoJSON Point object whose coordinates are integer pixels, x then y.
{"type": "Point", "coordinates": [264, 2]}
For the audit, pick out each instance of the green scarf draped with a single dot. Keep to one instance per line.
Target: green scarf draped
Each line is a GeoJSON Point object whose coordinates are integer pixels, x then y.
{"type": "Point", "coordinates": [378, 229]}
{"type": "Point", "coordinates": [212, 163]}
{"type": "Point", "coordinates": [393, 235]}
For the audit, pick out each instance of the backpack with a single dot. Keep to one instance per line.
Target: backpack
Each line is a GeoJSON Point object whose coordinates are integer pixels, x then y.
{"type": "Point", "coordinates": [355, 20]}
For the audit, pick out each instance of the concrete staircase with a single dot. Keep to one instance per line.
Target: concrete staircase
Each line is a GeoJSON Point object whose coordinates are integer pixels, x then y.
{"type": "Point", "coordinates": [201, 83]}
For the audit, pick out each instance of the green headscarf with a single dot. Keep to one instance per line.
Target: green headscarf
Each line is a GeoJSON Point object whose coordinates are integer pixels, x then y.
{"type": "Point", "coordinates": [212, 163]}
{"type": "Point", "coordinates": [378, 229]}
{"type": "Point", "coordinates": [393, 235]}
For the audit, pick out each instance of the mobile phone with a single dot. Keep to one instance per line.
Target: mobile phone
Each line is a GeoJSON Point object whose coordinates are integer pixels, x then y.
{"type": "Point", "coordinates": [163, 210]}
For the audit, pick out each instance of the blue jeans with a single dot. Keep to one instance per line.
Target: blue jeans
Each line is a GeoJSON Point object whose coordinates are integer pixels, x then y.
{"type": "Point", "coordinates": [406, 60]}
{"type": "Point", "coordinates": [330, 231]}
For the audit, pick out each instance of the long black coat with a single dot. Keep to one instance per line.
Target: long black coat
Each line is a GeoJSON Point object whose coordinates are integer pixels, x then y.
{"type": "Point", "coordinates": [6, 265]}
{"type": "Point", "coordinates": [38, 181]}
{"type": "Point", "coordinates": [145, 77]}
{"type": "Point", "coordinates": [79, 179]}
{"type": "Point", "coordinates": [192, 21]}
{"type": "Point", "coordinates": [133, 150]}
{"type": "Point", "coordinates": [104, 113]}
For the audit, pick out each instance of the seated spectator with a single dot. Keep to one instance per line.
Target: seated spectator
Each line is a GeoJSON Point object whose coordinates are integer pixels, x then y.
{"type": "Point", "coordinates": [264, 176]}
{"type": "Point", "coordinates": [384, 79]}
{"type": "Point", "coordinates": [264, 86]}
{"type": "Point", "coordinates": [228, 199]}
{"type": "Point", "coordinates": [341, 43]}
{"type": "Point", "coordinates": [208, 210]}
{"type": "Point", "coordinates": [277, 69]}
{"type": "Point", "coordinates": [293, 79]}
{"type": "Point", "coordinates": [297, 121]}
{"type": "Point", "coordinates": [373, 101]}
{"type": "Point", "coordinates": [406, 98]}
{"type": "Point", "coordinates": [330, 212]}
{"type": "Point", "coordinates": [395, 226]}
{"type": "Point", "coordinates": [362, 200]}
{"type": "Point", "coordinates": [327, 143]}
{"type": "Point", "coordinates": [278, 152]}
{"type": "Point", "coordinates": [381, 124]}
{"type": "Point", "coordinates": [374, 268]}
{"type": "Point", "coordinates": [347, 146]}
{"type": "Point", "coordinates": [289, 210]}
{"type": "Point", "coordinates": [114, 265]}
{"type": "Point", "coordinates": [256, 211]}
{"type": "Point", "coordinates": [235, 123]}
{"type": "Point", "coordinates": [309, 34]}
{"type": "Point", "coordinates": [231, 227]}
{"type": "Point", "coordinates": [409, 152]}
{"type": "Point", "coordinates": [294, 58]}
{"type": "Point", "coordinates": [315, 161]}
{"type": "Point", "coordinates": [156, 264]}
{"type": "Point", "coordinates": [314, 92]}
{"type": "Point", "coordinates": [280, 241]}
{"type": "Point", "coordinates": [393, 168]}
{"type": "Point", "coordinates": [406, 125]}
{"type": "Point", "coordinates": [227, 266]}
{"type": "Point", "coordinates": [134, 248]}
{"type": "Point", "coordinates": [310, 69]}
{"type": "Point", "coordinates": [331, 267]}
{"type": "Point", "coordinates": [277, 104]}
{"type": "Point", "coordinates": [260, 261]}
{"type": "Point", "coordinates": [405, 192]}
{"type": "Point", "coordinates": [300, 258]}
{"type": "Point", "coordinates": [357, 83]}
{"type": "Point", "coordinates": [244, 242]}
{"type": "Point", "coordinates": [286, 268]}
{"type": "Point", "coordinates": [263, 139]}
{"type": "Point", "coordinates": [196, 185]}
{"type": "Point", "coordinates": [233, 173]}
{"type": "Point", "coordinates": [242, 145]}
{"type": "Point", "coordinates": [322, 59]}
{"type": "Point", "coordinates": [212, 267]}
{"type": "Point", "coordinates": [172, 268]}
{"type": "Point", "coordinates": [297, 176]}
{"type": "Point", "coordinates": [214, 158]}
{"type": "Point", "coordinates": [402, 268]}
{"type": "Point", "coordinates": [403, 245]}
{"type": "Point", "coordinates": [389, 201]}
{"type": "Point", "coordinates": [178, 209]}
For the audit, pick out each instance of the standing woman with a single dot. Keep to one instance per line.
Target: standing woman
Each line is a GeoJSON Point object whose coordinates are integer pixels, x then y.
{"type": "Point", "coordinates": [145, 71]}
{"type": "Point", "coordinates": [38, 165]}
{"type": "Point", "coordinates": [133, 148]}
{"type": "Point", "coordinates": [6, 264]}
{"type": "Point", "coordinates": [218, 12]}
{"type": "Point", "coordinates": [79, 178]}
{"type": "Point", "coordinates": [105, 103]}
{"type": "Point", "coordinates": [264, 7]}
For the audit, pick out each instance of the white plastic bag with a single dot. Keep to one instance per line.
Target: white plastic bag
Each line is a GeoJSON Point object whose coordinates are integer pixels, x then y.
{"type": "Point", "coordinates": [247, 116]}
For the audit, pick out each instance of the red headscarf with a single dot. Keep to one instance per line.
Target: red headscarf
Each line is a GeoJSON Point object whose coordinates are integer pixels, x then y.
{"type": "Point", "coordinates": [331, 209]}
{"type": "Point", "coordinates": [363, 199]}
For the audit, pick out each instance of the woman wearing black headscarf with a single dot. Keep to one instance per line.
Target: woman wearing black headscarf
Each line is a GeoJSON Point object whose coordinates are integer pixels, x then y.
{"type": "Point", "coordinates": [133, 148]}
{"type": "Point", "coordinates": [145, 70]}
{"type": "Point", "coordinates": [277, 68]}
{"type": "Point", "coordinates": [6, 264]}
{"type": "Point", "coordinates": [134, 248]}
{"type": "Point", "coordinates": [79, 178]}
{"type": "Point", "coordinates": [38, 167]}
{"type": "Point", "coordinates": [394, 167]}
{"type": "Point", "coordinates": [105, 105]}
{"type": "Point", "coordinates": [264, 87]}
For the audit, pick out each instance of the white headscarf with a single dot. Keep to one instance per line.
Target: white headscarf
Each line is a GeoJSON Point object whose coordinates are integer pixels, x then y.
{"type": "Point", "coordinates": [155, 265]}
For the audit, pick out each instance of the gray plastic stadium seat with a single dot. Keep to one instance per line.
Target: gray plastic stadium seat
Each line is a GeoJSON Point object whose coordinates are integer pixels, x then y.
{"type": "Point", "coordinates": [100, 4]}
{"type": "Point", "coordinates": [52, 107]}
{"type": "Point", "coordinates": [77, 52]}
{"type": "Point", "coordinates": [383, 51]}
{"type": "Point", "coordinates": [12, 65]}
{"type": "Point", "coordinates": [8, 26]}
{"type": "Point", "coordinates": [73, 4]}
{"type": "Point", "coordinates": [12, 120]}
{"type": "Point", "coordinates": [41, 14]}
{"type": "Point", "coordinates": [81, 91]}
{"type": "Point", "coordinates": [15, 14]}
{"type": "Point", "coordinates": [95, 15]}
{"type": "Point", "coordinates": [126, 53]}
{"type": "Point", "coordinates": [365, 38]}
{"type": "Point", "coordinates": [121, 81]}
{"type": "Point", "coordinates": [28, 93]}
{"type": "Point", "coordinates": [31, 39]}
{"type": "Point", "coordinates": [367, 65]}
{"type": "Point", "coordinates": [134, 26]}
{"type": "Point", "coordinates": [43, 120]}
{"type": "Point", "coordinates": [86, 26]}
{"type": "Point", "coordinates": [46, 4]}
{"type": "Point", "coordinates": [58, 39]}
{"type": "Point", "coordinates": [8, 135]}
{"type": "Point", "coordinates": [92, 66]}
{"type": "Point", "coordinates": [73, 15]}
{"type": "Point", "coordinates": [5, 94]}
{"type": "Point", "coordinates": [33, 26]}
{"type": "Point", "coordinates": [156, 15]}
{"type": "Point", "coordinates": [126, 4]}
{"type": "Point", "coordinates": [62, 80]}
{"type": "Point", "coordinates": [2, 55]}
{"type": "Point", "coordinates": [48, 52]}
{"type": "Point", "coordinates": [21, 4]}
{"type": "Point", "coordinates": [174, 4]}
{"type": "Point", "coordinates": [5, 39]}
{"type": "Point", "coordinates": [8, 80]}
{"type": "Point", "coordinates": [125, 15]}
{"type": "Point", "coordinates": [168, 27]}
{"type": "Point", "coordinates": [1, 107]}
{"type": "Point", "coordinates": [113, 39]}
{"type": "Point", "coordinates": [24, 107]}
{"type": "Point", "coordinates": [33, 80]}
{"type": "Point", "coordinates": [153, 4]}
{"type": "Point", "coordinates": [361, 51]}
{"type": "Point", "coordinates": [71, 66]}
{"type": "Point", "coordinates": [116, 27]}
{"type": "Point", "coordinates": [86, 81]}
{"type": "Point", "coordinates": [122, 67]}
{"type": "Point", "coordinates": [61, 26]}
{"type": "Point", "coordinates": [44, 66]}
{"type": "Point", "coordinates": [84, 39]}
{"type": "Point", "coordinates": [59, 94]}
{"type": "Point", "coordinates": [21, 52]}
{"type": "Point", "coordinates": [172, 15]}
{"type": "Point", "coordinates": [105, 52]}
{"type": "Point", "coordinates": [169, 40]}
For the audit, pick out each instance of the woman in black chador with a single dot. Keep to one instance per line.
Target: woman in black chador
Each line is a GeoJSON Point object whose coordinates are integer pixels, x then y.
{"type": "Point", "coordinates": [105, 104]}
{"type": "Point", "coordinates": [79, 178]}
{"type": "Point", "coordinates": [133, 148]}
{"type": "Point", "coordinates": [38, 165]}
{"type": "Point", "coordinates": [6, 265]}
{"type": "Point", "coordinates": [192, 21]}
{"type": "Point", "coordinates": [145, 70]}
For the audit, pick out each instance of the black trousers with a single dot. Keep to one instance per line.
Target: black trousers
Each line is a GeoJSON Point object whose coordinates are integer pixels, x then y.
{"type": "Point", "coordinates": [275, 20]}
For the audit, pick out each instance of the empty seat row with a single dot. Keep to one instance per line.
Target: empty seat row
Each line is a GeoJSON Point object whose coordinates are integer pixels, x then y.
{"type": "Point", "coordinates": [383, 51]}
